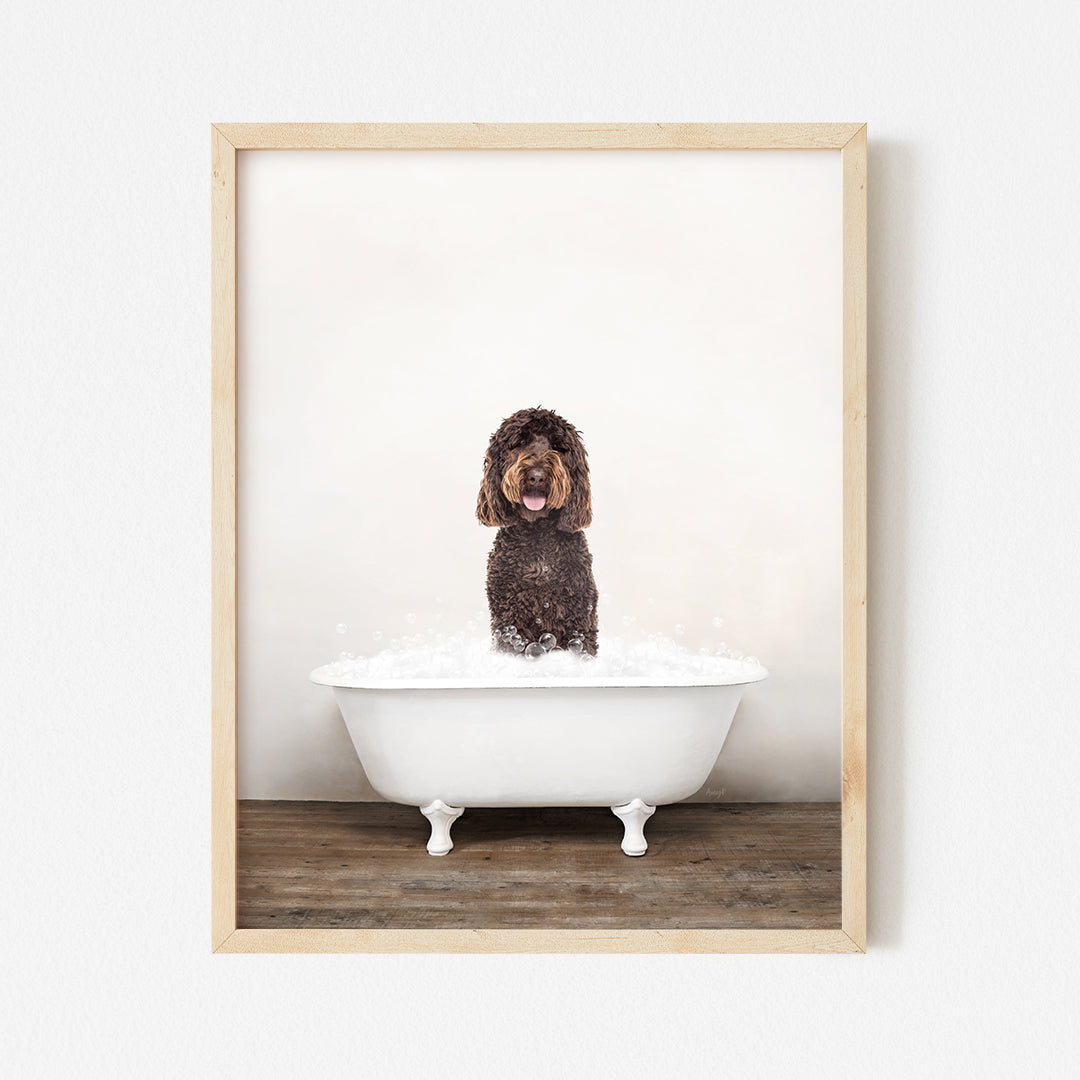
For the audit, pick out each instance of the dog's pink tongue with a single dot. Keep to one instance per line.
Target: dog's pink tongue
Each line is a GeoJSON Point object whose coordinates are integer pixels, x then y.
{"type": "Point", "coordinates": [534, 502]}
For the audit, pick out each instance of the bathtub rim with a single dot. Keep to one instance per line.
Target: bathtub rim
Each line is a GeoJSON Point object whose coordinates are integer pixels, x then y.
{"type": "Point", "coordinates": [322, 678]}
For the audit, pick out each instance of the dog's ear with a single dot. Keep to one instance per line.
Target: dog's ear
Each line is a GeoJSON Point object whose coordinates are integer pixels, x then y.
{"type": "Point", "coordinates": [576, 513]}
{"type": "Point", "coordinates": [492, 506]}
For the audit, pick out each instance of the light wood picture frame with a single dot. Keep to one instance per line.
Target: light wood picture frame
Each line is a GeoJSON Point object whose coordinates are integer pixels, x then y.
{"type": "Point", "coordinates": [227, 140]}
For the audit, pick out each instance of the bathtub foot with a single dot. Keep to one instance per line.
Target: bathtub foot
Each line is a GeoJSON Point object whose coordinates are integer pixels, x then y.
{"type": "Point", "coordinates": [441, 817]}
{"type": "Point", "coordinates": [634, 814]}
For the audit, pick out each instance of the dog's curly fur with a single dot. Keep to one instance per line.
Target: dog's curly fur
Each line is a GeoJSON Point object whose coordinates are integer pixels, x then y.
{"type": "Point", "coordinates": [539, 576]}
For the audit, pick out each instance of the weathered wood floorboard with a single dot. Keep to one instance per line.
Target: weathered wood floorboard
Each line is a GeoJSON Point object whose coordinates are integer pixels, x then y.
{"type": "Point", "coordinates": [364, 865]}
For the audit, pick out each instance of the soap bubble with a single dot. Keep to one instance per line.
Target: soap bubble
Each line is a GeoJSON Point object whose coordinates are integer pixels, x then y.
{"type": "Point", "coordinates": [680, 629]}
{"type": "Point", "coordinates": [425, 656]}
{"type": "Point", "coordinates": [410, 617]}
{"type": "Point", "coordinates": [377, 635]}
{"type": "Point", "coordinates": [538, 620]}
{"type": "Point", "coordinates": [547, 603]}
{"type": "Point", "coordinates": [341, 628]}
{"type": "Point", "coordinates": [548, 642]}
{"type": "Point", "coordinates": [718, 622]}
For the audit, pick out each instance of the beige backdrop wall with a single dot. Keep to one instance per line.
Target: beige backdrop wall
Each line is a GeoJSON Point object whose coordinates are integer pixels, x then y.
{"type": "Point", "coordinates": [681, 308]}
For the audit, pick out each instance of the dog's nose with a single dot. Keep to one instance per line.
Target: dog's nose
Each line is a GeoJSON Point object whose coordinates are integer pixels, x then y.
{"type": "Point", "coordinates": [536, 476]}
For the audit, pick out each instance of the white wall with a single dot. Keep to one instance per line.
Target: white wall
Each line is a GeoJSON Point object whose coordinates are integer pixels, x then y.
{"type": "Point", "coordinates": [682, 309]}
{"type": "Point", "coordinates": [104, 310]}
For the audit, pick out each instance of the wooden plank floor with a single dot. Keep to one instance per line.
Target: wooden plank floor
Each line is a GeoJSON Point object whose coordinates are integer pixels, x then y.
{"type": "Point", "coordinates": [709, 866]}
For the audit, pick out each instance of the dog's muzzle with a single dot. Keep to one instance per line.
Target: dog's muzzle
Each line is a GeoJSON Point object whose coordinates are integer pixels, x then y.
{"type": "Point", "coordinates": [535, 494]}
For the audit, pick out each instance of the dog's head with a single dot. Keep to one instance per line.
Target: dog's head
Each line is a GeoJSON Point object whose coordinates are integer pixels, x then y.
{"type": "Point", "coordinates": [535, 467]}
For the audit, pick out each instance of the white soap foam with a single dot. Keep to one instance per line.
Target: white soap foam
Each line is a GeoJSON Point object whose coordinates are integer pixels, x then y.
{"type": "Point", "coordinates": [463, 656]}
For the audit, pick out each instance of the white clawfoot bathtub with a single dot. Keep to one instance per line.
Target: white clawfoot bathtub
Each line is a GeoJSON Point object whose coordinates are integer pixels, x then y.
{"type": "Point", "coordinates": [446, 744]}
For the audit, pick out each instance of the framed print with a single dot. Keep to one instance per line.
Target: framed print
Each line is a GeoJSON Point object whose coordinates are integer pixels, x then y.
{"type": "Point", "coordinates": [539, 537]}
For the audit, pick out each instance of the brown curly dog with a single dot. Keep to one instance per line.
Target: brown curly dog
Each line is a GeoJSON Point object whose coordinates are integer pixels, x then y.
{"type": "Point", "coordinates": [540, 585]}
